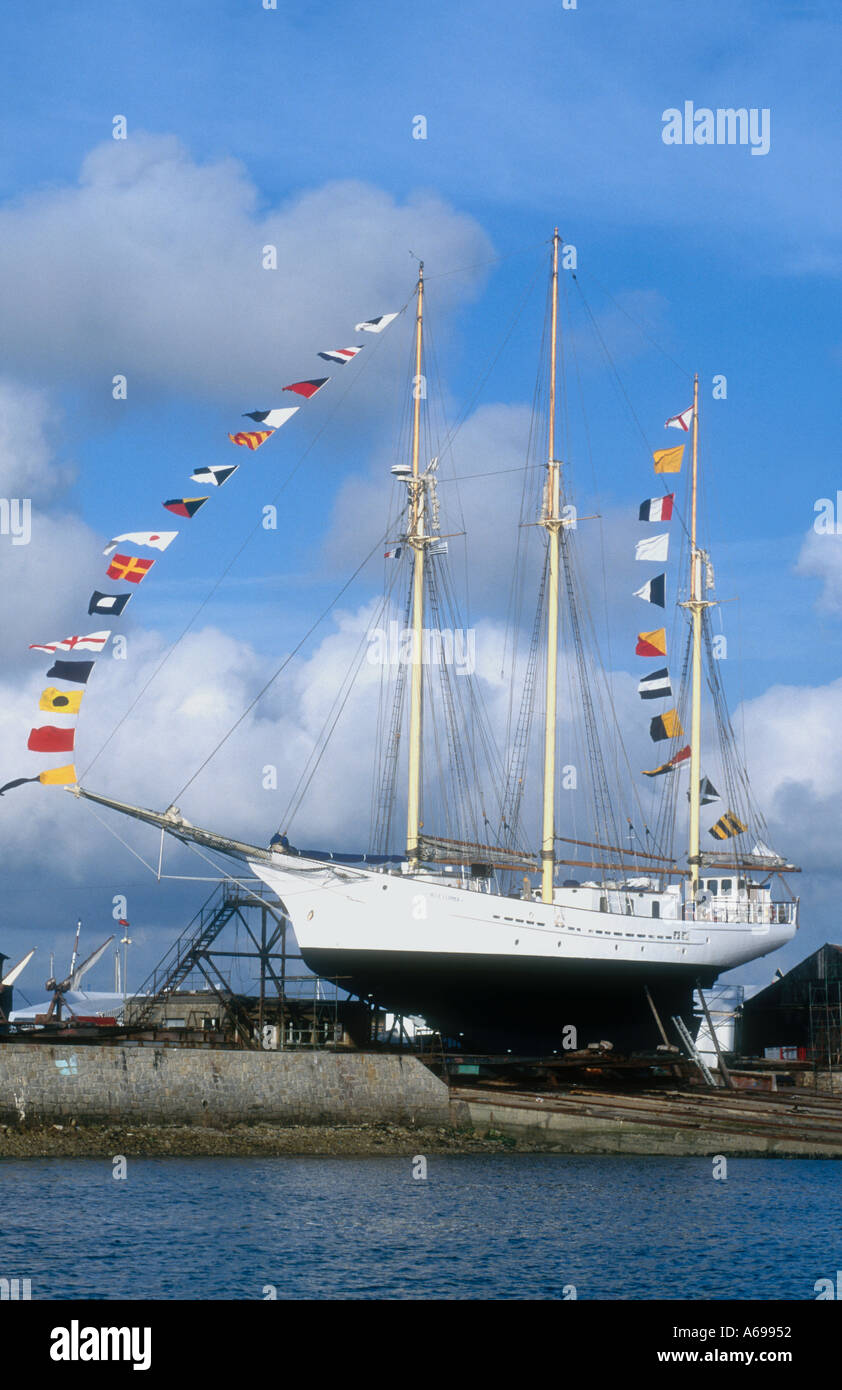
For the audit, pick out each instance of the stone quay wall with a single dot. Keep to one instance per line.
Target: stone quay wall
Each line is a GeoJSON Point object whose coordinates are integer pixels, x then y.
{"type": "Point", "coordinates": [182, 1085]}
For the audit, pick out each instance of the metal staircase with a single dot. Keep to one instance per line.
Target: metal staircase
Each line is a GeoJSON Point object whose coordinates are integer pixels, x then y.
{"type": "Point", "coordinates": [192, 951]}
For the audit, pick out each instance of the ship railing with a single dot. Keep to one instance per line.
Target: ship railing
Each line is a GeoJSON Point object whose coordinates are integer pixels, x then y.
{"type": "Point", "coordinates": [765, 914]}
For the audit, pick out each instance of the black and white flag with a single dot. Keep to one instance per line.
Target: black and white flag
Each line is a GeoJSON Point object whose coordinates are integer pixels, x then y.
{"type": "Point", "coordinates": [656, 686]}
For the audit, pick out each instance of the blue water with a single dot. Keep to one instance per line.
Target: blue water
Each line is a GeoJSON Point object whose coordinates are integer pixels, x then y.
{"type": "Point", "coordinates": [508, 1226]}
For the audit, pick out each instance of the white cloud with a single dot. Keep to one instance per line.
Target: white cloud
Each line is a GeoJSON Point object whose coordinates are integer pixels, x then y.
{"type": "Point", "coordinates": [152, 266]}
{"type": "Point", "coordinates": [821, 558]}
{"type": "Point", "coordinates": [27, 464]}
{"type": "Point", "coordinates": [794, 736]}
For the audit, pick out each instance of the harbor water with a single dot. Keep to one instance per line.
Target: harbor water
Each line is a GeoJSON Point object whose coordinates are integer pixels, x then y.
{"type": "Point", "coordinates": [512, 1226]}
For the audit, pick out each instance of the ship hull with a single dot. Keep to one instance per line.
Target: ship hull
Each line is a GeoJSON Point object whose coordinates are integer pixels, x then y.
{"type": "Point", "coordinates": [495, 1004]}
{"type": "Point", "coordinates": [507, 974]}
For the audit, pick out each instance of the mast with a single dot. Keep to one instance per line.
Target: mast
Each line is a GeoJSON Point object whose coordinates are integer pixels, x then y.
{"type": "Point", "coordinates": [696, 605]}
{"type": "Point", "coordinates": [415, 537]}
{"type": "Point", "coordinates": [552, 523]}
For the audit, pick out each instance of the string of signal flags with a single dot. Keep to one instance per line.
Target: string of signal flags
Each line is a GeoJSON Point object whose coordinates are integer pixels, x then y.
{"type": "Point", "coordinates": [125, 567]}
{"type": "Point", "coordinates": [657, 684]}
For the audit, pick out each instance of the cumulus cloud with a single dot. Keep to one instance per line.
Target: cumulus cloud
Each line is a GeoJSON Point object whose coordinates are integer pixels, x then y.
{"type": "Point", "coordinates": [821, 558]}
{"type": "Point", "coordinates": [28, 421]}
{"type": "Point", "coordinates": [794, 735]}
{"type": "Point", "coordinates": [151, 265]}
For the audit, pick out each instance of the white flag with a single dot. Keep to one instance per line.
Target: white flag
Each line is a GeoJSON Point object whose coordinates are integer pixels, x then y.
{"type": "Point", "coordinates": [374, 325]}
{"type": "Point", "coordinates": [272, 419]}
{"type": "Point", "coordinates": [93, 642]}
{"type": "Point", "coordinates": [653, 548]}
{"type": "Point", "coordinates": [156, 540]}
{"type": "Point", "coordinates": [680, 422]}
{"type": "Point", "coordinates": [215, 474]}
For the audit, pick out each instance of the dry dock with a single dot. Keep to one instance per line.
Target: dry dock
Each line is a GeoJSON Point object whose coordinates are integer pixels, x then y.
{"type": "Point", "coordinates": [190, 1100]}
{"type": "Point", "coordinates": [661, 1122]}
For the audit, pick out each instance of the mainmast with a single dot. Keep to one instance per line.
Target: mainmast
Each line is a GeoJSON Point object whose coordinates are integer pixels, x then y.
{"type": "Point", "coordinates": [416, 539]}
{"type": "Point", "coordinates": [696, 606]}
{"type": "Point", "coordinates": [552, 522]}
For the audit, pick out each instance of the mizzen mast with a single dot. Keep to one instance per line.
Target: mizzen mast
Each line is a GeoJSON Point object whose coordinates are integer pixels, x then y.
{"type": "Point", "coordinates": [551, 521]}
{"type": "Point", "coordinates": [416, 539]}
{"type": "Point", "coordinates": [696, 605]}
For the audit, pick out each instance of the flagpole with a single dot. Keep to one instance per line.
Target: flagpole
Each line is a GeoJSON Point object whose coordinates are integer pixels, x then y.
{"type": "Point", "coordinates": [696, 605]}
{"type": "Point", "coordinates": [415, 538]}
{"type": "Point", "coordinates": [551, 522]}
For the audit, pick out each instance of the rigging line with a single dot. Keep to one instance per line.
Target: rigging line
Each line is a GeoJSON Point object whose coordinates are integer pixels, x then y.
{"type": "Point", "coordinates": [334, 715]}
{"type": "Point", "coordinates": [468, 701]}
{"type": "Point", "coordinates": [380, 751]}
{"type": "Point", "coordinates": [258, 526]}
{"type": "Point", "coordinates": [437, 428]}
{"type": "Point", "coordinates": [389, 751]}
{"type": "Point", "coordinates": [77, 887]}
{"type": "Point", "coordinates": [480, 265]}
{"type": "Point", "coordinates": [224, 874]}
{"type": "Point", "coordinates": [589, 448]}
{"type": "Point", "coordinates": [461, 419]}
{"type": "Point", "coordinates": [613, 366]}
{"type": "Point", "coordinates": [123, 842]}
{"type": "Point", "coordinates": [639, 326]}
{"type": "Point", "coordinates": [287, 659]}
{"type": "Point", "coordinates": [495, 473]}
{"type": "Point", "coordinates": [517, 587]}
{"type": "Point", "coordinates": [476, 720]}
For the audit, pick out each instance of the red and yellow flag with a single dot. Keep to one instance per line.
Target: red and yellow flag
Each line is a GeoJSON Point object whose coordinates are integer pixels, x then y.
{"type": "Point", "coordinates": [129, 567]}
{"type": "Point", "coordinates": [652, 643]}
{"type": "Point", "coordinates": [251, 439]}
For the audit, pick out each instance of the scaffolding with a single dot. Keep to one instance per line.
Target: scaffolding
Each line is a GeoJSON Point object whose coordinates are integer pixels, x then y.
{"type": "Point", "coordinates": [292, 1008]}
{"type": "Point", "coordinates": [825, 1025]}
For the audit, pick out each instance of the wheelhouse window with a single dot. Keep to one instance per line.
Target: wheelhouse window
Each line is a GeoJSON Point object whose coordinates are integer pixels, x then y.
{"type": "Point", "coordinates": [713, 886]}
{"type": "Point", "coordinates": [727, 886]}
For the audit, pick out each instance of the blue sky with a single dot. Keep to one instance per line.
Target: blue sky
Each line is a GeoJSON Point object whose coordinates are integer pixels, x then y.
{"type": "Point", "coordinates": [247, 125]}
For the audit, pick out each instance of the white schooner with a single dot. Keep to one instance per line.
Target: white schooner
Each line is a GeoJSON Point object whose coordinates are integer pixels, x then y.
{"type": "Point", "coordinates": [483, 940]}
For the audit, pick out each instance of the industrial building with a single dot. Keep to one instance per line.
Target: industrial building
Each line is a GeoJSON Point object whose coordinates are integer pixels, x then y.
{"type": "Point", "coordinates": [799, 1015]}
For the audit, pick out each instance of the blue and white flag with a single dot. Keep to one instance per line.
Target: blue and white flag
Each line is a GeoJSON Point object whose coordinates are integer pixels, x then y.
{"type": "Point", "coordinates": [340, 355]}
{"type": "Point", "coordinates": [374, 325]}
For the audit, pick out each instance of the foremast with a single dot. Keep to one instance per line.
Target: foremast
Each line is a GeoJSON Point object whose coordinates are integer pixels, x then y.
{"type": "Point", "coordinates": [551, 521]}
{"type": "Point", "coordinates": [416, 539]}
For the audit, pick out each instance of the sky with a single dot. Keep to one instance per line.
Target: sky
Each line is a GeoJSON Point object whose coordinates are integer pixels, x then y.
{"type": "Point", "coordinates": [142, 257]}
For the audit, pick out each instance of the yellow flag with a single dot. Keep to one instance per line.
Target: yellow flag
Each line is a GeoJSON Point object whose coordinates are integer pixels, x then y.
{"type": "Point", "coordinates": [61, 701]}
{"type": "Point", "coordinates": [727, 826]}
{"type": "Point", "coordinates": [668, 460]}
{"type": "Point", "coordinates": [671, 723]}
{"type": "Point", "coordinates": [58, 776]}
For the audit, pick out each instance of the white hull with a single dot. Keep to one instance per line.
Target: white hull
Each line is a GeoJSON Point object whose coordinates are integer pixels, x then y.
{"type": "Point", "coordinates": [477, 962]}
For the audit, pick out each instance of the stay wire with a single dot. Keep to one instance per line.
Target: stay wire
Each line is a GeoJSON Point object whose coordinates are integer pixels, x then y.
{"type": "Point", "coordinates": [287, 659]}
{"type": "Point", "coordinates": [246, 542]}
